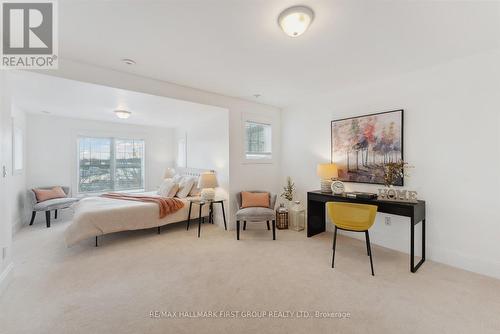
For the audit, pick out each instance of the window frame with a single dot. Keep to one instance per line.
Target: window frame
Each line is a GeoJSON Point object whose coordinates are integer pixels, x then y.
{"type": "Point", "coordinates": [113, 140]}
{"type": "Point", "coordinates": [254, 118]}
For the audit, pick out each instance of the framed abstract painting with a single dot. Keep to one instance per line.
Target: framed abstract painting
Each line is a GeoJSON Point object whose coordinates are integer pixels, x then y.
{"type": "Point", "coordinates": [361, 146]}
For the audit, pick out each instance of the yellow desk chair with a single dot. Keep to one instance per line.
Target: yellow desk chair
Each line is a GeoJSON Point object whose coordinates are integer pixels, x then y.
{"type": "Point", "coordinates": [352, 217]}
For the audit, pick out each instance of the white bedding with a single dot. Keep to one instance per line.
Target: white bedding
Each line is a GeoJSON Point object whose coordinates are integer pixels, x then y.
{"type": "Point", "coordinates": [95, 216]}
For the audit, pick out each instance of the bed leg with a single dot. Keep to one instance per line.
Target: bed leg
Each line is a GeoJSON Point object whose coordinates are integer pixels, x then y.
{"type": "Point", "coordinates": [159, 230]}
{"type": "Point", "coordinates": [96, 241]}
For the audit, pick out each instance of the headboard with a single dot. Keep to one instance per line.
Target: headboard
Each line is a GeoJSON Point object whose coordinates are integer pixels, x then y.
{"type": "Point", "coordinates": [186, 171]}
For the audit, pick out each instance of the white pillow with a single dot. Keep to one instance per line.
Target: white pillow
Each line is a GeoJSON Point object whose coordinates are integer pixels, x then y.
{"type": "Point", "coordinates": [168, 188]}
{"type": "Point", "coordinates": [185, 187]}
{"type": "Point", "coordinates": [195, 191]}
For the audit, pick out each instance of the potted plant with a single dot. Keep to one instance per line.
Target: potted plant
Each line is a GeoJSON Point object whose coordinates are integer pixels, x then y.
{"type": "Point", "coordinates": [288, 191]}
{"type": "Point", "coordinates": [393, 171]}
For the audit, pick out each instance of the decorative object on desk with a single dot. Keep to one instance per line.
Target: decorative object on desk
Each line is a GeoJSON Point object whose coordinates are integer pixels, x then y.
{"type": "Point", "coordinates": [288, 190]}
{"type": "Point", "coordinates": [338, 187]}
{"type": "Point", "coordinates": [282, 217]}
{"type": "Point", "coordinates": [326, 172]}
{"type": "Point", "coordinates": [361, 195]}
{"type": "Point", "coordinates": [297, 217]}
{"type": "Point", "coordinates": [398, 195]}
{"type": "Point", "coordinates": [207, 182]}
{"type": "Point", "coordinates": [362, 146]}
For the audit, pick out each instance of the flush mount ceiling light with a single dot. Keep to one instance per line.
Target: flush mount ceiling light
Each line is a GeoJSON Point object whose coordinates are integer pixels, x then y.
{"type": "Point", "coordinates": [294, 21]}
{"type": "Point", "coordinates": [128, 61]}
{"type": "Point", "coordinates": [123, 114]}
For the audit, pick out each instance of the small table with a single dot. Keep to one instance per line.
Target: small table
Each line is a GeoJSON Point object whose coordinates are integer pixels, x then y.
{"type": "Point", "coordinates": [200, 202]}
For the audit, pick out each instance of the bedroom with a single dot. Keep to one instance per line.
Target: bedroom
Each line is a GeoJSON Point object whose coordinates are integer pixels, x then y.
{"type": "Point", "coordinates": [374, 105]}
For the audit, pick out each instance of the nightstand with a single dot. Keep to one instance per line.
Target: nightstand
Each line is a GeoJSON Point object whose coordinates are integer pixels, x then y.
{"type": "Point", "coordinates": [201, 203]}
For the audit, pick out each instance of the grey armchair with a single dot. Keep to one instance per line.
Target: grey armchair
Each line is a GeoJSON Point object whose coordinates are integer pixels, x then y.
{"type": "Point", "coordinates": [49, 205]}
{"type": "Point", "coordinates": [256, 214]}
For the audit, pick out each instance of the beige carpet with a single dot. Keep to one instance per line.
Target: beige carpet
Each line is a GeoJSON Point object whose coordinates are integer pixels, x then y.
{"type": "Point", "coordinates": [113, 288]}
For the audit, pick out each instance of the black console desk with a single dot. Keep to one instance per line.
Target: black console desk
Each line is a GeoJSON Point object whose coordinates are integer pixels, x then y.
{"type": "Point", "coordinates": [415, 211]}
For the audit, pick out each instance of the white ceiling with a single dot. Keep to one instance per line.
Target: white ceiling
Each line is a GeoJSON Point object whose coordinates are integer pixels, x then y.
{"type": "Point", "coordinates": [35, 93]}
{"type": "Point", "coordinates": [234, 47]}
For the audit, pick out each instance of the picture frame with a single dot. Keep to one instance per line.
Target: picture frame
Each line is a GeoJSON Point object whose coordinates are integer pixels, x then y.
{"type": "Point", "coordinates": [362, 145]}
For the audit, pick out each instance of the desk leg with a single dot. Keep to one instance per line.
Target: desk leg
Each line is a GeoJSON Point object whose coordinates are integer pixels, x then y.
{"type": "Point", "coordinates": [413, 267]}
{"type": "Point", "coordinates": [315, 217]}
{"type": "Point", "coordinates": [189, 215]}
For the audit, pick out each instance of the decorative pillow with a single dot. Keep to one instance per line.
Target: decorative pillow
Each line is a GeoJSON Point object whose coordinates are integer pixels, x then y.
{"type": "Point", "coordinates": [195, 191]}
{"type": "Point", "coordinates": [177, 178]}
{"type": "Point", "coordinates": [168, 188]}
{"type": "Point", "coordinates": [46, 194]}
{"type": "Point", "coordinates": [185, 187]}
{"type": "Point", "coordinates": [252, 200]}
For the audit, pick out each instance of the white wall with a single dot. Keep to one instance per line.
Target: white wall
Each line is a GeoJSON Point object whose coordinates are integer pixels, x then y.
{"type": "Point", "coordinates": [452, 126]}
{"type": "Point", "coordinates": [242, 176]}
{"type": "Point", "coordinates": [5, 198]}
{"type": "Point", "coordinates": [208, 148]}
{"type": "Point", "coordinates": [17, 184]}
{"type": "Point", "coordinates": [52, 148]}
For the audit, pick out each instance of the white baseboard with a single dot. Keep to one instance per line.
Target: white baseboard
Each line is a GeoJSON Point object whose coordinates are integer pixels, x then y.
{"type": "Point", "coordinates": [5, 277]}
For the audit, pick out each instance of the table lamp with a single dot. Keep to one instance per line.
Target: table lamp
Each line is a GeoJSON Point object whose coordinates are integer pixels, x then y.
{"type": "Point", "coordinates": [207, 182]}
{"type": "Point", "coordinates": [327, 172]}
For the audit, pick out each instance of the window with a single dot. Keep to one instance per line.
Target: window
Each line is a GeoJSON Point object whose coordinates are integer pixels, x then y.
{"type": "Point", "coordinates": [258, 143]}
{"type": "Point", "coordinates": [110, 164]}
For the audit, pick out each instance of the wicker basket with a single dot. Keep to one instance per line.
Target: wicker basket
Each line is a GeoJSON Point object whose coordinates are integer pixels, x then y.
{"type": "Point", "coordinates": [281, 220]}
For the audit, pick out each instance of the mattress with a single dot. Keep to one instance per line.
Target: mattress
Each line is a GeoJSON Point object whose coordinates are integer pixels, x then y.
{"type": "Point", "coordinates": [95, 216]}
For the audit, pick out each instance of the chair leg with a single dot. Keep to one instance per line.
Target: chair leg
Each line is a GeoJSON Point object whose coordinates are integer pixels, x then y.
{"type": "Point", "coordinates": [244, 225]}
{"type": "Point", "coordinates": [367, 246]}
{"type": "Point", "coordinates": [237, 230]}
{"type": "Point", "coordinates": [274, 229]}
{"type": "Point", "coordinates": [96, 244]}
{"type": "Point", "coordinates": [268, 228]}
{"type": "Point", "coordinates": [33, 214]}
{"type": "Point", "coordinates": [55, 214]}
{"type": "Point", "coordinates": [334, 244]}
{"type": "Point", "coordinates": [369, 250]}
{"type": "Point", "coordinates": [47, 218]}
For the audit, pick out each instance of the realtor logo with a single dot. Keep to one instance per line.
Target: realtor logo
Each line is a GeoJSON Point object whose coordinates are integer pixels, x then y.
{"type": "Point", "coordinates": [29, 39]}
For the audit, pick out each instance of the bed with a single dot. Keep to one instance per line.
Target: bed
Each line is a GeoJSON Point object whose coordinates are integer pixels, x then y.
{"type": "Point", "coordinates": [96, 216]}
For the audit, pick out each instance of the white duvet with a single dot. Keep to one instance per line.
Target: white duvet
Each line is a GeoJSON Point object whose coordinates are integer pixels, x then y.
{"type": "Point", "coordinates": [95, 216]}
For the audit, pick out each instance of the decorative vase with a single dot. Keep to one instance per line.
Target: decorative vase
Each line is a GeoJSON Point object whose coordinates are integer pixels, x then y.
{"type": "Point", "coordinates": [297, 215]}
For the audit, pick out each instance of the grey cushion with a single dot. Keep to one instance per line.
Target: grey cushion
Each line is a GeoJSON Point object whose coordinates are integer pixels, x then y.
{"type": "Point", "coordinates": [56, 203]}
{"type": "Point", "coordinates": [255, 214]}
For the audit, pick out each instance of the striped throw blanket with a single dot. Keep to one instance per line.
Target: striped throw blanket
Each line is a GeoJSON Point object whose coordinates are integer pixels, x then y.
{"type": "Point", "coordinates": [166, 205]}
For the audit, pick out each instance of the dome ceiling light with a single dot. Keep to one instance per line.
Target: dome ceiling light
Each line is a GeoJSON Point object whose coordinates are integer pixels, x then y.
{"type": "Point", "coordinates": [123, 114]}
{"type": "Point", "coordinates": [294, 21]}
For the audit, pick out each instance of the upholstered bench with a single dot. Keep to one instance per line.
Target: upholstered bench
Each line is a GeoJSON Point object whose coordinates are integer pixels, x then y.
{"type": "Point", "coordinates": [50, 204]}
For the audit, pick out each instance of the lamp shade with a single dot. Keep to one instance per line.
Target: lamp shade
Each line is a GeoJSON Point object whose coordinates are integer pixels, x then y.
{"type": "Point", "coordinates": [207, 180]}
{"type": "Point", "coordinates": [327, 171]}
{"type": "Point", "coordinates": [169, 173]}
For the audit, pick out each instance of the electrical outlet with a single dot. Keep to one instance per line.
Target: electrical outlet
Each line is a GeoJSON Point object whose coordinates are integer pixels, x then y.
{"type": "Point", "coordinates": [388, 221]}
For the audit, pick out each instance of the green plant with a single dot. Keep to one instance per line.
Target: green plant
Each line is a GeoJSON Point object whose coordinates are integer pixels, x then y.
{"type": "Point", "coordinates": [394, 171]}
{"type": "Point", "coordinates": [288, 190]}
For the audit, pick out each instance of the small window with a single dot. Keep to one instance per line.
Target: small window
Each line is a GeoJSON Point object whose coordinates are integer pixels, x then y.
{"type": "Point", "coordinates": [109, 164]}
{"type": "Point", "coordinates": [258, 141]}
